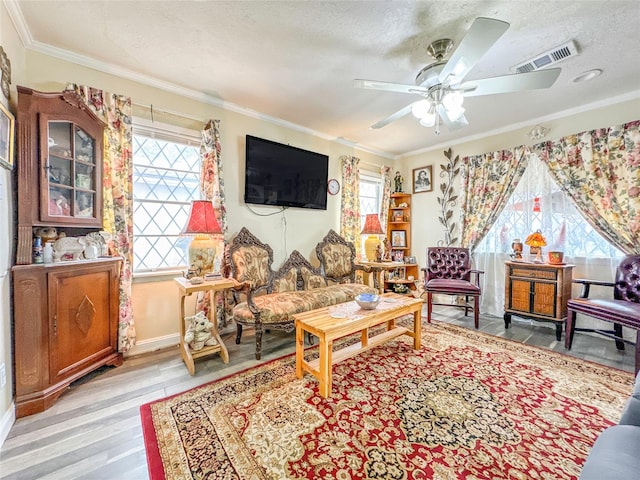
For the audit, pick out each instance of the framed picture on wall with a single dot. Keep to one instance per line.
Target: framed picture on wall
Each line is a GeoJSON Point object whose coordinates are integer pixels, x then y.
{"type": "Point", "coordinates": [7, 124]}
{"type": "Point", "coordinates": [422, 179]}
{"type": "Point", "coordinates": [398, 238]}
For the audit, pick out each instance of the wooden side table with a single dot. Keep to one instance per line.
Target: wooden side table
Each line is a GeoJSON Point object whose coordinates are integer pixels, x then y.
{"type": "Point", "coordinates": [381, 267]}
{"type": "Point", "coordinates": [185, 289]}
{"type": "Point", "coordinates": [539, 291]}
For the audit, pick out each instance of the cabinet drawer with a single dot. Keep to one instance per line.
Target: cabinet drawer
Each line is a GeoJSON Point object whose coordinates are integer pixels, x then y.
{"type": "Point", "coordinates": [534, 273]}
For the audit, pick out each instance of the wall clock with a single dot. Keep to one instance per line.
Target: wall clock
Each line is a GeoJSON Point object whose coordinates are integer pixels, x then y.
{"type": "Point", "coordinates": [333, 186]}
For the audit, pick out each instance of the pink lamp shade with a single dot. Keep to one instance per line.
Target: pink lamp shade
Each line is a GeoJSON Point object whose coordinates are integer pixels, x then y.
{"type": "Point", "coordinates": [372, 228]}
{"type": "Point", "coordinates": [202, 223]}
{"type": "Point", "coordinates": [372, 225]}
{"type": "Point", "coordinates": [202, 219]}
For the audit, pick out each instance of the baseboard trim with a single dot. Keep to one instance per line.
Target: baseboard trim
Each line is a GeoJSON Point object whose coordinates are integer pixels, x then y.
{"type": "Point", "coordinates": [8, 419]}
{"type": "Point", "coordinates": [153, 344]}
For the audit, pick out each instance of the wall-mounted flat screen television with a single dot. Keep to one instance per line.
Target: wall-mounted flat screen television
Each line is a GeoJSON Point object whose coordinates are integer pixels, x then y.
{"type": "Point", "coordinates": [285, 176]}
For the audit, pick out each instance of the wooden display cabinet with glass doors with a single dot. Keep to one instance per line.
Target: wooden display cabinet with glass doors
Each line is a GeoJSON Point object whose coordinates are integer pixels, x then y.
{"type": "Point", "coordinates": [70, 172]}
{"type": "Point", "coordinates": [59, 165]}
{"type": "Point", "coordinates": [65, 314]}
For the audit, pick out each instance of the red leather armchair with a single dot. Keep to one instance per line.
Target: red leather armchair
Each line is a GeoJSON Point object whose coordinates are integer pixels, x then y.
{"type": "Point", "coordinates": [449, 272]}
{"type": "Point", "coordinates": [622, 310]}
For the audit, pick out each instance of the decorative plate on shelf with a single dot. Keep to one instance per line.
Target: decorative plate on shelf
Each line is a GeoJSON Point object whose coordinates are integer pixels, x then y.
{"type": "Point", "coordinates": [333, 186]}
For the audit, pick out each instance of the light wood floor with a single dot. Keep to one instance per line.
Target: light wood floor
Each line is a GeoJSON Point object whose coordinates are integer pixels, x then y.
{"type": "Point", "coordinates": [93, 431]}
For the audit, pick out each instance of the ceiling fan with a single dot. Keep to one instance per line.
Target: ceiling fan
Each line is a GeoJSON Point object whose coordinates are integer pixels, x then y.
{"type": "Point", "coordinates": [441, 83]}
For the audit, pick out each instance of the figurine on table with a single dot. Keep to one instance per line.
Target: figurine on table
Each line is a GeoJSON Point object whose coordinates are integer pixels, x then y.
{"type": "Point", "coordinates": [516, 246]}
{"type": "Point", "coordinates": [386, 254]}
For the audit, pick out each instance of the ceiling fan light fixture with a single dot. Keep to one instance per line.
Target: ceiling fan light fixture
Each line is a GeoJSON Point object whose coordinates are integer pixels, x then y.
{"type": "Point", "coordinates": [441, 86]}
{"type": "Point", "coordinates": [428, 120]}
{"type": "Point", "coordinates": [420, 108]}
{"type": "Point", "coordinates": [453, 100]}
{"type": "Point", "coordinates": [455, 113]}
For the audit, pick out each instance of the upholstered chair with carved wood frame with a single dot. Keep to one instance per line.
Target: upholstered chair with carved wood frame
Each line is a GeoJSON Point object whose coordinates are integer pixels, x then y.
{"type": "Point", "coordinates": [338, 260]}
{"type": "Point", "coordinates": [249, 262]}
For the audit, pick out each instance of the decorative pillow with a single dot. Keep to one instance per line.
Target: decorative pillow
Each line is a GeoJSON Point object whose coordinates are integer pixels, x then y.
{"type": "Point", "coordinates": [286, 283]}
{"type": "Point", "coordinates": [312, 280]}
{"type": "Point", "coordinates": [337, 260]}
{"type": "Point", "coordinates": [252, 265]}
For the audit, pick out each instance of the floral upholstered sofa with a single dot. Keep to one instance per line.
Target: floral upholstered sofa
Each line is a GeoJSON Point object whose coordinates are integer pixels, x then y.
{"type": "Point", "coordinates": [268, 299]}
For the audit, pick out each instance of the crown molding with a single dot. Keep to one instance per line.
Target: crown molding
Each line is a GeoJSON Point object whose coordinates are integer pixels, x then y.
{"type": "Point", "coordinates": [190, 93]}
{"type": "Point", "coordinates": [15, 14]}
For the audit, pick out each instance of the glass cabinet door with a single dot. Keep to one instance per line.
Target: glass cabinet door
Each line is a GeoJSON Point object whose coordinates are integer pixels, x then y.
{"type": "Point", "coordinates": [71, 171]}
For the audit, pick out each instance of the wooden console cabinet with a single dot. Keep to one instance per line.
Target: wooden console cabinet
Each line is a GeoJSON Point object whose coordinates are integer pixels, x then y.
{"type": "Point", "coordinates": [63, 327]}
{"type": "Point", "coordinates": [65, 315]}
{"type": "Point", "coordinates": [539, 291]}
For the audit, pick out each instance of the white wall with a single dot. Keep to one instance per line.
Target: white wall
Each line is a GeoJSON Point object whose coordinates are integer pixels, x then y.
{"type": "Point", "coordinates": [15, 52]}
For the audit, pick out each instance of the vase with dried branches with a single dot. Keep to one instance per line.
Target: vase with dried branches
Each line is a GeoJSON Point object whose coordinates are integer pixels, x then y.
{"type": "Point", "coordinates": [447, 201]}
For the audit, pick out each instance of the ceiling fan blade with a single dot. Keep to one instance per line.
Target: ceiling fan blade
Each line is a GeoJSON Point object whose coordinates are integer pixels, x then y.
{"type": "Point", "coordinates": [482, 34]}
{"type": "Point", "coordinates": [510, 83]}
{"type": "Point", "coordinates": [459, 122]}
{"type": "Point", "coordinates": [389, 86]}
{"type": "Point", "coordinates": [393, 117]}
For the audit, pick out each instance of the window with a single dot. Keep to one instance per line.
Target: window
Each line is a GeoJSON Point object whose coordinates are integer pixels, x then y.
{"type": "Point", "coordinates": [370, 195]}
{"type": "Point", "coordinates": [166, 178]}
{"type": "Point", "coordinates": [539, 204]}
{"type": "Point", "coordinates": [370, 198]}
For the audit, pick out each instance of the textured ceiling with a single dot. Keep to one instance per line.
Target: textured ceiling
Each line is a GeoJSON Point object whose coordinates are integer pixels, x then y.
{"type": "Point", "coordinates": [296, 61]}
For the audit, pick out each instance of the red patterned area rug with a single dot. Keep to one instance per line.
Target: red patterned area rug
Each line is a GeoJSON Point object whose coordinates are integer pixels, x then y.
{"type": "Point", "coordinates": [466, 406]}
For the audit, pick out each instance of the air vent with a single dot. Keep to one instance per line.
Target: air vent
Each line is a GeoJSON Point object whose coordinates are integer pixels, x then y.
{"type": "Point", "coordinates": [543, 60]}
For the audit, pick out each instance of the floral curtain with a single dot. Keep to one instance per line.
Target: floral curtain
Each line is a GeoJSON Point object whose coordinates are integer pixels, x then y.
{"type": "Point", "coordinates": [385, 173]}
{"type": "Point", "coordinates": [350, 214]}
{"type": "Point", "coordinates": [211, 175]}
{"type": "Point", "coordinates": [600, 171]}
{"type": "Point", "coordinates": [212, 189]}
{"type": "Point", "coordinates": [488, 180]}
{"type": "Point", "coordinates": [115, 111]}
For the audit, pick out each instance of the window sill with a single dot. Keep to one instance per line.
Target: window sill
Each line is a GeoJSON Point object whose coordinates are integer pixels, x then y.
{"type": "Point", "coordinates": [158, 276]}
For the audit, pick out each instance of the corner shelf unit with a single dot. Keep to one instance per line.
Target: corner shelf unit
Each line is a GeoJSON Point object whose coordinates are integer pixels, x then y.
{"type": "Point", "coordinates": [399, 235]}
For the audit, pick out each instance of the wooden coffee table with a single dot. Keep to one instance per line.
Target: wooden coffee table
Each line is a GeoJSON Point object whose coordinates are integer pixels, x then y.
{"type": "Point", "coordinates": [331, 323]}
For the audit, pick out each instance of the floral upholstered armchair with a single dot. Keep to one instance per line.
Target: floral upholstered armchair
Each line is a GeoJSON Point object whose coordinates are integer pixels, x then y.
{"type": "Point", "coordinates": [248, 261]}
{"type": "Point", "coordinates": [338, 259]}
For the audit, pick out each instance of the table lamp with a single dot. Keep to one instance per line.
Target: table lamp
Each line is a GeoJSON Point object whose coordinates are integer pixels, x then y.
{"type": "Point", "coordinates": [536, 241]}
{"type": "Point", "coordinates": [373, 229]}
{"type": "Point", "coordinates": [202, 224]}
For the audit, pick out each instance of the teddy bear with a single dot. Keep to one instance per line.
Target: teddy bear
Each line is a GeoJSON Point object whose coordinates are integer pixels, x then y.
{"type": "Point", "coordinates": [48, 234]}
{"type": "Point", "coordinates": [198, 332]}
